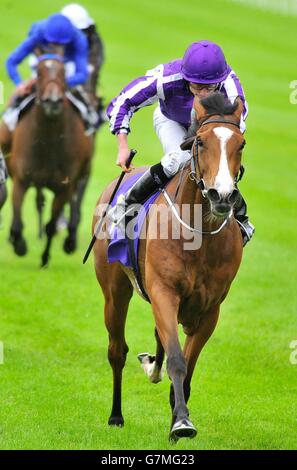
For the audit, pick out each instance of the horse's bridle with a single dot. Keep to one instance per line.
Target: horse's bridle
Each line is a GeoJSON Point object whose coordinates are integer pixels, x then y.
{"type": "Point", "coordinates": [50, 56]}
{"type": "Point", "coordinates": [200, 182]}
{"type": "Point", "coordinates": [195, 155]}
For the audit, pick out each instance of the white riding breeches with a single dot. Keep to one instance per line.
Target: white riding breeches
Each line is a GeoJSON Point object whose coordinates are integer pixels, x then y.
{"type": "Point", "coordinates": [171, 134]}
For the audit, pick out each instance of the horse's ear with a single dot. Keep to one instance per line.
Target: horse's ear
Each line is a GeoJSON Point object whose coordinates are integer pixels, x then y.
{"type": "Point", "coordinates": [239, 108]}
{"type": "Point", "coordinates": [199, 109]}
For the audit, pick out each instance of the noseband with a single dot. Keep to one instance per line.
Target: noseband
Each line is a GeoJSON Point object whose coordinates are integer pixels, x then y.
{"type": "Point", "coordinates": [57, 57]}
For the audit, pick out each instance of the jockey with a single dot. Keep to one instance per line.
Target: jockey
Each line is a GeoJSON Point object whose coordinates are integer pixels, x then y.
{"type": "Point", "coordinates": [54, 35]}
{"type": "Point", "coordinates": [80, 18]}
{"type": "Point", "coordinates": [45, 35]}
{"type": "Point", "coordinates": [202, 70]}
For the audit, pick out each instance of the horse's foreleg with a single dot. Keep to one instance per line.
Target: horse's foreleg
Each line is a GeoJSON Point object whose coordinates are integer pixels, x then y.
{"type": "Point", "coordinates": [115, 312]}
{"type": "Point", "coordinates": [165, 305]}
{"type": "Point", "coordinates": [194, 345]}
{"type": "Point", "coordinates": [117, 352]}
{"type": "Point", "coordinates": [40, 202]}
{"type": "Point", "coordinates": [16, 237]}
{"type": "Point", "coordinates": [75, 214]}
{"type": "Point", "coordinates": [50, 229]}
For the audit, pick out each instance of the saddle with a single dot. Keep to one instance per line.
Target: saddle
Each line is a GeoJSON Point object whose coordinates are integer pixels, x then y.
{"type": "Point", "coordinates": [20, 105]}
{"type": "Point", "coordinates": [125, 249]}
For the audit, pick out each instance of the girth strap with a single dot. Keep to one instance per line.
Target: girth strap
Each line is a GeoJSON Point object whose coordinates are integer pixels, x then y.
{"type": "Point", "coordinates": [135, 267]}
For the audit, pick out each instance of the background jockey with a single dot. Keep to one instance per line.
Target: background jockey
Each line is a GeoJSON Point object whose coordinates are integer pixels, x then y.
{"type": "Point", "coordinates": [81, 19]}
{"type": "Point", "coordinates": [45, 35]}
{"type": "Point", "coordinates": [54, 35]}
{"type": "Point", "coordinates": [202, 70]}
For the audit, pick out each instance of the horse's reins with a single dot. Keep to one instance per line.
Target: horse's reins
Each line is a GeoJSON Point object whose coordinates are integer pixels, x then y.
{"type": "Point", "coordinates": [200, 182]}
{"type": "Point", "coordinates": [188, 227]}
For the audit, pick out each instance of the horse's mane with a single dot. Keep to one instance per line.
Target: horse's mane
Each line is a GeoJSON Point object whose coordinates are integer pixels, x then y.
{"type": "Point", "coordinates": [217, 103]}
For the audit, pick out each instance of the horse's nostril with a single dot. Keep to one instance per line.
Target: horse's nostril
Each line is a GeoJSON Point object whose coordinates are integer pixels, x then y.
{"type": "Point", "coordinates": [232, 198]}
{"type": "Point", "coordinates": [52, 101]}
{"type": "Point", "coordinates": [57, 101]}
{"type": "Point", "coordinates": [213, 195]}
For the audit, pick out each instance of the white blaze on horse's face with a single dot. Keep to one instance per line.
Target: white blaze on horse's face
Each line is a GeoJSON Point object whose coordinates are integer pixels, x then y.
{"type": "Point", "coordinates": [224, 183]}
{"type": "Point", "coordinates": [51, 65]}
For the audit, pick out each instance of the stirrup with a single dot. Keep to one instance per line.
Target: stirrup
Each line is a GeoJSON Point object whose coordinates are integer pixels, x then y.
{"type": "Point", "coordinates": [117, 222]}
{"type": "Point", "coordinates": [247, 231]}
{"type": "Point", "coordinates": [119, 206]}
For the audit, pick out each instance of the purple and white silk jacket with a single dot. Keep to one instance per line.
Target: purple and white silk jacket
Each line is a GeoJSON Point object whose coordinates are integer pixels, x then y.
{"type": "Point", "coordinates": [165, 83]}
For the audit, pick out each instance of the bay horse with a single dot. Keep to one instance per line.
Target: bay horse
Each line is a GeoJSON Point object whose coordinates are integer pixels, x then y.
{"type": "Point", "coordinates": [3, 195]}
{"type": "Point", "coordinates": [3, 189]}
{"type": "Point", "coordinates": [183, 286]}
{"type": "Point", "coordinates": [49, 150]}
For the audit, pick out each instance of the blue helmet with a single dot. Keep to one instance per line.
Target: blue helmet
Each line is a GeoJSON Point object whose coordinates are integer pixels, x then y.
{"type": "Point", "coordinates": [204, 62]}
{"type": "Point", "coordinates": [59, 29]}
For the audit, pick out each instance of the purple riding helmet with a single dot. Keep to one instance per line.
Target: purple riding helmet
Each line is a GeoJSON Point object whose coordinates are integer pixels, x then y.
{"type": "Point", "coordinates": [204, 62]}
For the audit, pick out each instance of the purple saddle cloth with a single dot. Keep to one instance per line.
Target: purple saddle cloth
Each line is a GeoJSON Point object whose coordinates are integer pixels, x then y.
{"type": "Point", "coordinates": [118, 249]}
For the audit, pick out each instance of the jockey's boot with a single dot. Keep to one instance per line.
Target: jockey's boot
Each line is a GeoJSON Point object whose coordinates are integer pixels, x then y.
{"type": "Point", "coordinates": [240, 214]}
{"type": "Point", "coordinates": [91, 118]}
{"type": "Point", "coordinates": [147, 184]}
{"type": "Point", "coordinates": [16, 101]}
{"type": "Point", "coordinates": [102, 116]}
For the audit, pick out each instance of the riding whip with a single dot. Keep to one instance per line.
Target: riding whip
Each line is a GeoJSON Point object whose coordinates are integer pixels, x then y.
{"type": "Point", "coordinates": [99, 226]}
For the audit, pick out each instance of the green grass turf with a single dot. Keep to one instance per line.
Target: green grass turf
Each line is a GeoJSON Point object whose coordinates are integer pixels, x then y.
{"type": "Point", "coordinates": [55, 383]}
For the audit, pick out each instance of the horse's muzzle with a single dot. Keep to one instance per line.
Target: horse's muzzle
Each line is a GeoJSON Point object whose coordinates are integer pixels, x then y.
{"type": "Point", "coordinates": [221, 205]}
{"type": "Point", "coordinates": [52, 107]}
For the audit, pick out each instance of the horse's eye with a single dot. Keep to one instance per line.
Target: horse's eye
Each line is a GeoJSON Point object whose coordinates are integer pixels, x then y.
{"type": "Point", "coordinates": [199, 142]}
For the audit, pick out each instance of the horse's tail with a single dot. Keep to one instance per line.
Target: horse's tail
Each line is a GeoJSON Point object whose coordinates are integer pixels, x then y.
{"type": "Point", "coordinates": [40, 202]}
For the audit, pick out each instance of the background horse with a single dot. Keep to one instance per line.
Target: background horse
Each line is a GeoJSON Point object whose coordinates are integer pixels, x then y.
{"type": "Point", "coordinates": [49, 150]}
{"type": "Point", "coordinates": [184, 286]}
{"type": "Point", "coordinates": [3, 190]}
{"type": "Point", "coordinates": [3, 195]}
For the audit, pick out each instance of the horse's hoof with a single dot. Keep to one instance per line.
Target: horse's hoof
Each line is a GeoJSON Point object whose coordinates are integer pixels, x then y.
{"type": "Point", "coordinates": [44, 261]}
{"type": "Point", "coordinates": [182, 428]}
{"type": "Point", "coordinates": [20, 246]}
{"type": "Point", "coordinates": [69, 245]}
{"type": "Point", "coordinates": [116, 421]}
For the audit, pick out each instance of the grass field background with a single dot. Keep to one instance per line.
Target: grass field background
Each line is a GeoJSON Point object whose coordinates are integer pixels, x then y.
{"type": "Point", "coordinates": [56, 382]}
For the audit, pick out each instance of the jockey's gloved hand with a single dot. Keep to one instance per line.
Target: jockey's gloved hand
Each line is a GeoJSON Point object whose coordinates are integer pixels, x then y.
{"type": "Point", "coordinates": [123, 155]}
{"type": "Point", "coordinates": [25, 88]}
